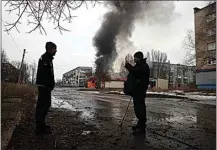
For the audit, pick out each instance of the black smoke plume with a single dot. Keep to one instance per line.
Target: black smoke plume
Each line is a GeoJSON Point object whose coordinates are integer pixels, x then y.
{"type": "Point", "coordinates": [117, 23]}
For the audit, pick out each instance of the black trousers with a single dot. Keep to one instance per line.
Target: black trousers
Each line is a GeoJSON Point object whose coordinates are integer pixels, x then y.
{"type": "Point", "coordinates": [140, 109]}
{"type": "Point", "coordinates": [43, 105]}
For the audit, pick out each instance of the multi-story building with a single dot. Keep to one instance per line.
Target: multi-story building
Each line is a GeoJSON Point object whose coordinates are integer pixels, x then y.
{"type": "Point", "coordinates": [77, 77]}
{"type": "Point", "coordinates": [205, 46]}
{"type": "Point", "coordinates": [181, 75]}
{"type": "Point", "coordinates": [178, 75]}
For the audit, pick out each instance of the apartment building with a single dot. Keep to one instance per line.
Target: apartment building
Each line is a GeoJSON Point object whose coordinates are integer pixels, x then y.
{"type": "Point", "coordinates": [177, 75]}
{"type": "Point", "coordinates": [205, 46]}
{"type": "Point", "coordinates": [77, 77]}
{"type": "Point", "coordinates": [181, 75]}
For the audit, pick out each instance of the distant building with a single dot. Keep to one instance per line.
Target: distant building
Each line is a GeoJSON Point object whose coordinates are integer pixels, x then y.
{"type": "Point", "coordinates": [9, 73]}
{"type": "Point", "coordinates": [115, 81]}
{"type": "Point", "coordinates": [205, 45]}
{"type": "Point", "coordinates": [181, 75]}
{"type": "Point", "coordinates": [178, 75]}
{"type": "Point", "coordinates": [77, 77]}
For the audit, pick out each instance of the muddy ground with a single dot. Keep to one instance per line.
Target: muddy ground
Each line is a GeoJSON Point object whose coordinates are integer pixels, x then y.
{"type": "Point", "coordinates": [86, 120]}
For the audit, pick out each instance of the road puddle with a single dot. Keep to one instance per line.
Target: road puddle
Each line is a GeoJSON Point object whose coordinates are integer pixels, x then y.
{"type": "Point", "coordinates": [86, 132]}
{"type": "Point", "coordinates": [182, 119]}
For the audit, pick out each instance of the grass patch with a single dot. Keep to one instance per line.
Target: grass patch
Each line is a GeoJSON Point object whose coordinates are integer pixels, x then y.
{"type": "Point", "coordinates": [11, 90]}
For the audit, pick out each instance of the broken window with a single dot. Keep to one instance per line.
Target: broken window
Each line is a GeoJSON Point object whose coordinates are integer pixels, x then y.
{"type": "Point", "coordinates": [211, 32]}
{"type": "Point", "coordinates": [211, 61]}
{"type": "Point", "coordinates": [210, 17]}
{"type": "Point", "coordinates": [211, 46]}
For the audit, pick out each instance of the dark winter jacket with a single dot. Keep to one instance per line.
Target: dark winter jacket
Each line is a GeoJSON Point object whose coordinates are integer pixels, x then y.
{"type": "Point", "coordinates": [45, 73]}
{"type": "Point", "coordinates": [138, 77]}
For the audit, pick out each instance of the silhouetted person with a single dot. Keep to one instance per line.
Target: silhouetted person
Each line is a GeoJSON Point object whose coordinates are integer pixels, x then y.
{"type": "Point", "coordinates": [45, 82]}
{"type": "Point", "coordinates": [139, 79]}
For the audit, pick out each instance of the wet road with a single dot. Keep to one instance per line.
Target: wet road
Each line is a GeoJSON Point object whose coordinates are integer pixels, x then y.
{"type": "Point", "coordinates": [172, 123]}
{"type": "Point", "coordinates": [85, 120]}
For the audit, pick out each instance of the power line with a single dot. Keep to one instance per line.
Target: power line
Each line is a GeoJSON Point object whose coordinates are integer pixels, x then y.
{"type": "Point", "coordinates": [11, 36]}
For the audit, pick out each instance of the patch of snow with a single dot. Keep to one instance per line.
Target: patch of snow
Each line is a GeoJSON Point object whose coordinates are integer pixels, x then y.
{"type": "Point", "coordinates": [94, 92]}
{"type": "Point", "coordinates": [162, 93]}
{"type": "Point", "coordinates": [122, 93]}
{"type": "Point", "coordinates": [201, 97]}
{"type": "Point", "coordinates": [57, 103]}
{"type": "Point", "coordinates": [86, 132]}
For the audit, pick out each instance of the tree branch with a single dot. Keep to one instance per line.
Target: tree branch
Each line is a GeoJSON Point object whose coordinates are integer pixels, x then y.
{"type": "Point", "coordinates": [36, 10]}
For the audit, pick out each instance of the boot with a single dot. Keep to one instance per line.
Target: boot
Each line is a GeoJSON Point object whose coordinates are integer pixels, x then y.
{"type": "Point", "coordinates": [137, 127]}
{"type": "Point", "coordinates": [42, 129]}
{"type": "Point", "coordinates": [139, 131]}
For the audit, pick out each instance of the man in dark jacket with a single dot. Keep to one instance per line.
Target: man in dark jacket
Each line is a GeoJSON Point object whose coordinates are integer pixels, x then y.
{"type": "Point", "coordinates": [45, 82]}
{"type": "Point", "coordinates": [140, 81]}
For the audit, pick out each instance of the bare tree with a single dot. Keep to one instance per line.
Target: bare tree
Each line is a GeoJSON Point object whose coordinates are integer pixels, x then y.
{"type": "Point", "coordinates": [4, 57]}
{"type": "Point", "coordinates": [160, 64]}
{"type": "Point", "coordinates": [33, 68]}
{"type": "Point", "coordinates": [188, 45]}
{"type": "Point", "coordinates": [37, 11]}
{"type": "Point", "coordinates": [54, 11]}
{"type": "Point", "coordinates": [26, 71]}
{"type": "Point", "coordinates": [59, 82]}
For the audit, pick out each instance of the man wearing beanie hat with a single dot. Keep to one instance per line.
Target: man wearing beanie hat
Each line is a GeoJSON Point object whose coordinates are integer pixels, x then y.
{"type": "Point", "coordinates": [140, 81]}
{"type": "Point", "coordinates": [45, 82]}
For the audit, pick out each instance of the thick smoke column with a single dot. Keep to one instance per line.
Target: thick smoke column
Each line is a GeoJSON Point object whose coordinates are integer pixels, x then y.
{"type": "Point", "coordinates": [117, 24]}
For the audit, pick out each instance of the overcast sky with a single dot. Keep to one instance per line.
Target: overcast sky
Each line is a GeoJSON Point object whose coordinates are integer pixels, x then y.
{"type": "Point", "coordinates": [75, 48]}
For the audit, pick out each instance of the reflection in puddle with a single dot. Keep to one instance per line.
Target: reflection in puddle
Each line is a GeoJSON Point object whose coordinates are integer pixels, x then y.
{"type": "Point", "coordinates": [174, 119]}
{"type": "Point", "coordinates": [182, 119]}
{"type": "Point", "coordinates": [86, 132]}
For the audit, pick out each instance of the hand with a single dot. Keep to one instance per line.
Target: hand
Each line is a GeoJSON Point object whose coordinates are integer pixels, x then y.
{"type": "Point", "coordinates": [126, 62]}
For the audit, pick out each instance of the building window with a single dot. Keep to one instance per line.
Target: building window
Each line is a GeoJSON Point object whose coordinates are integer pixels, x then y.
{"type": "Point", "coordinates": [172, 69]}
{"type": "Point", "coordinates": [211, 32]}
{"type": "Point", "coordinates": [211, 46]}
{"type": "Point", "coordinates": [210, 17]}
{"type": "Point", "coordinates": [211, 62]}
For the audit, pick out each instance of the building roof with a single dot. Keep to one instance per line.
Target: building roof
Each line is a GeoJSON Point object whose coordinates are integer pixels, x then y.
{"type": "Point", "coordinates": [196, 9]}
{"type": "Point", "coordinates": [8, 64]}
{"type": "Point", "coordinates": [83, 67]}
{"type": "Point", "coordinates": [206, 68]}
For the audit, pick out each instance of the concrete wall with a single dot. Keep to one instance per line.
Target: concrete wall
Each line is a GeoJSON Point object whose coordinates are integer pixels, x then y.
{"type": "Point", "coordinates": [114, 84]}
{"type": "Point", "coordinates": [206, 80]}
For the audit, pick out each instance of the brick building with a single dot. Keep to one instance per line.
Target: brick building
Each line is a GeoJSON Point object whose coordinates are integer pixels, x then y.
{"type": "Point", "coordinates": [205, 46]}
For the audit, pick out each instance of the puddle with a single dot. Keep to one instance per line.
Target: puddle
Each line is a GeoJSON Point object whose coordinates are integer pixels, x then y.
{"type": "Point", "coordinates": [182, 119]}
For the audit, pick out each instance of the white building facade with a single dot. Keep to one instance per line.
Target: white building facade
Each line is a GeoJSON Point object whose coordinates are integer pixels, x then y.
{"type": "Point", "coordinates": [77, 77]}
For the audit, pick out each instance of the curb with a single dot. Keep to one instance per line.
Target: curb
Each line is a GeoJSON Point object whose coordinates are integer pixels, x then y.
{"type": "Point", "coordinates": [21, 114]}
{"type": "Point", "coordinates": [5, 139]}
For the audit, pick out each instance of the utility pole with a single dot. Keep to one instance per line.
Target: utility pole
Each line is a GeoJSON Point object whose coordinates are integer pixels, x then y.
{"type": "Point", "coordinates": [33, 73]}
{"type": "Point", "coordinates": [158, 59]}
{"type": "Point", "coordinates": [21, 66]}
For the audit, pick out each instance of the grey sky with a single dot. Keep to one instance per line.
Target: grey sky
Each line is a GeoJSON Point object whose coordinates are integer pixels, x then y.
{"type": "Point", "coordinates": [75, 47]}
